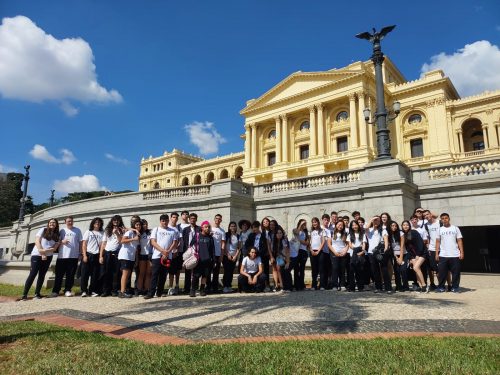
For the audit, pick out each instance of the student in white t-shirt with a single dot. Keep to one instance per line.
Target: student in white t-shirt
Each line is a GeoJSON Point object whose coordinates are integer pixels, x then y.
{"type": "Point", "coordinates": [304, 239]}
{"type": "Point", "coordinates": [219, 236]}
{"type": "Point", "coordinates": [176, 265]}
{"type": "Point", "coordinates": [339, 255]}
{"type": "Point", "coordinates": [251, 277]}
{"type": "Point", "coordinates": [92, 239]}
{"type": "Point", "coordinates": [130, 246]}
{"type": "Point", "coordinates": [357, 244]}
{"type": "Point", "coordinates": [67, 258]}
{"type": "Point", "coordinates": [400, 257]}
{"type": "Point", "coordinates": [144, 278]}
{"type": "Point", "coordinates": [46, 242]}
{"type": "Point", "coordinates": [375, 235]}
{"type": "Point", "coordinates": [231, 255]}
{"type": "Point", "coordinates": [449, 253]}
{"type": "Point", "coordinates": [110, 246]}
{"type": "Point", "coordinates": [432, 228]}
{"type": "Point", "coordinates": [318, 240]}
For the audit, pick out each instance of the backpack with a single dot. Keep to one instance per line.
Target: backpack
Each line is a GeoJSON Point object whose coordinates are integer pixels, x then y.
{"type": "Point", "coordinates": [190, 257]}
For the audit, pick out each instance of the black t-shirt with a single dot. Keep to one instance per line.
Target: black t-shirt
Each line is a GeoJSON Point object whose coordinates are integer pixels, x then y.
{"type": "Point", "coordinates": [206, 248]}
{"type": "Point", "coordinates": [415, 246]}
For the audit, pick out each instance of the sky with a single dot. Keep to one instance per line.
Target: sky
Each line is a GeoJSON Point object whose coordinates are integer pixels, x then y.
{"type": "Point", "coordinates": [89, 87]}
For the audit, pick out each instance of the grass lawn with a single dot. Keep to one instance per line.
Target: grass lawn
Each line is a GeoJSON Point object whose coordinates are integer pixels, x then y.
{"type": "Point", "coordinates": [39, 348]}
{"type": "Point", "coordinates": [9, 290]}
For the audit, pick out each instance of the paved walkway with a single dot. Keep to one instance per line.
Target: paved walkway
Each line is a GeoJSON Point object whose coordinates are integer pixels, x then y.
{"type": "Point", "coordinates": [276, 316]}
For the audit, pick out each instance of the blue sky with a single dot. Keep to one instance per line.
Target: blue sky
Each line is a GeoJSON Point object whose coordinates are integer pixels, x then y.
{"type": "Point", "coordinates": [173, 63]}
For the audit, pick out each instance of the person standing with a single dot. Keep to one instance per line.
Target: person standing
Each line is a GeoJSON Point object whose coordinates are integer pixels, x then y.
{"type": "Point", "coordinates": [357, 252]}
{"type": "Point", "coordinates": [130, 242]}
{"type": "Point", "coordinates": [449, 253]}
{"type": "Point", "coordinates": [188, 233]}
{"type": "Point", "coordinates": [299, 275]}
{"type": "Point", "coordinates": [92, 239]}
{"type": "Point", "coordinates": [164, 240]}
{"type": "Point", "coordinates": [46, 242]}
{"type": "Point", "coordinates": [318, 240]}
{"type": "Point", "coordinates": [339, 256]}
{"type": "Point", "coordinates": [231, 256]}
{"type": "Point", "coordinates": [67, 258]}
{"type": "Point", "coordinates": [375, 236]}
{"type": "Point", "coordinates": [219, 237]}
{"type": "Point", "coordinates": [108, 255]}
{"type": "Point", "coordinates": [206, 258]}
{"type": "Point", "coordinates": [176, 265]}
{"type": "Point", "coordinates": [432, 228]}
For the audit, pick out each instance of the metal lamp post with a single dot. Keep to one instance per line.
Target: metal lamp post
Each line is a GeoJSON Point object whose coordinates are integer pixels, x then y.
{"type": "Point", "coordinates": [382, 117]}
{"type": "Point", "coordinates": [25, 193]}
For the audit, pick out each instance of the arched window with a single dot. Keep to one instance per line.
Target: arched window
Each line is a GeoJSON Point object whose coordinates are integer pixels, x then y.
{"type": "Point", "coordinates": [224, 174]}
{"type": "Point", "coordinates": [415, 118]}
{"type": "Point", "coordinates": [342, 116]}
{"type": "Point", "coordinates": [210, 177]}
{"type": "Point", "coordinates": [156, 185]}
{"type": "Point", "coordinates": [185, 181]}
{"type": "Point", "coordinates": [238, 172]}
{"type": "Point", "coordinates": [473, 136]}
{"type": "Point", "coordinates": [272, 134]}
{"type": "Point", "coordinates": [197, 180]}
{"type": "Point", "coordinates": [304, 125]}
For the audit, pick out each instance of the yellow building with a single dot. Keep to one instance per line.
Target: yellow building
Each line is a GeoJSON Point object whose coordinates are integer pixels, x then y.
{"type": "Point", "coordinates": [312, 123]}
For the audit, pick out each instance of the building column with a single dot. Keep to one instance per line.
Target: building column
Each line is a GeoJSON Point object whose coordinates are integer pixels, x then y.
{"type": "Point", "coordinates": [496, 129]}
{"type": "Point", "coordinates": [361, 119]}
{"type": "Point", "coordinates": [460, 141]}
{"type": "Point", "coordinates": [248, 151]}
{"type": "Point", "coordinates": [353, 121]}
{"type": "Point", "coordinates": [254, 145]}
{"type": "Point", "coordinates": [486, 136]}
{"type": "Point", "coordinates": [285, 137]}
{"type": "Point", "coordinates": [312, 132]}
{"type": "Point", "coordinates": [321, 130]}
{"type": "Point", "coordinates": [278, 139]}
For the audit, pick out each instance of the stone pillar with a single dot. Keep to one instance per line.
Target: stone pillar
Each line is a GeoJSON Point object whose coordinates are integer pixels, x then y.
{"type": "Point", "coordinates": [354, 121]}
{"type": "Point", "coordinates": [361, 119]}
{"type": "Point", "coordinates": [496, 130]}
{"type": "Point", "coordinates": [248, 151]}
{"type": "Point", "coordinates": [312, 132]}
{"type": "Point", "coordinates": [254, 145]}
{"type": "Point", "coordinates": [460, 140]}
{"type": "Point", "coordinates": [278, 139]}
{"type": "Point", "coordinates": [486, 136]}
{"type": "Point", "coordinates": [285, 137]}
{"type": "Point", "coordinates": [321, 130]}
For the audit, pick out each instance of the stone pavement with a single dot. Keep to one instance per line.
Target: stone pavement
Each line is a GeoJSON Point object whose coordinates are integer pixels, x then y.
{"type": "Point", "coordinates": [276, 316]}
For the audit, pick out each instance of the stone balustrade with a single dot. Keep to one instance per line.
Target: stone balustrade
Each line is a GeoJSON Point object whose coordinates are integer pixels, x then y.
{"type": "Point", "coordinates": [478, 168]}
{"type": "Point", "coordinates": [311, 182]}
{"type": "Point", "coordinates": [187, 191]}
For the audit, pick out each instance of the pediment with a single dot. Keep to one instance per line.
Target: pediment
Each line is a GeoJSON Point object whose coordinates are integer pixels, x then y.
{"type": "Point", "coordinates": [297, 84]}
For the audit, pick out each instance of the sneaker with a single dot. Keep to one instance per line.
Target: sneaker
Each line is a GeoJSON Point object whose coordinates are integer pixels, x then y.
{"type": "Point", "coordinates": [377, 291]}
{"type": "Point", "coordinates": [148, 296]}
{"type": "Point", "coordinates": [427, 289]}
{"type": "Point", "coordinates": [278, 289]}
{"type": "Point", "coordinates": [176, 291]}
{"type": "Point", "coordinates": [37, 296]}
{"type": "Point", "coordinates": [23, 298]}
{"type": "Point", "coordinates": [68, 293]}
{"type": "Point", "coordinates": [267, 289]}
{"type": "Point", "coordinates": [53, 295]}
{"type": "Point", "coordinates": [433, 287]}
{"type": "Point", "coordinates": [84, 294]}
{"type": "Point", "coordinates": [455, 290]}
{"type": "Point", "coordinates": [94, 294]}
{"type": "Point", "coordinates": [389, 292]}
{"type": "Point", "coordinates": [124, 295]}
{"type": "Point", "coordinates": [203, 292]}
{"type": "Point", "coordinates": [114, 294]}
{"type": "Point", "coordinates": [105, 294]}
{"type": "Point", "coordinates": [322, 289]}
{"type": "Point", "coordinates": [192, 293]}
{"type": "Point", "coordinates": [171, 291]}
{"type": "Point", "coordinates": [440, 290]}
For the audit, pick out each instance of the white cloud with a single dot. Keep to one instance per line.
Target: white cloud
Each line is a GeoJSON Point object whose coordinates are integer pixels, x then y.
{"type": "Point", "coordinates": [472, 69]}
{"type": "Point", "coordinates": [204, 136]}
{"type": "Point", "coordinates": [35, 66]}
{"type": "Point", "coordinates": [41, 153]}
{"type": "Point", "coordinates": [74, 184]}
{"type": "Point", "coordinates": [7, 169]}
{"type": "Point", "coordinates": [117, 159]}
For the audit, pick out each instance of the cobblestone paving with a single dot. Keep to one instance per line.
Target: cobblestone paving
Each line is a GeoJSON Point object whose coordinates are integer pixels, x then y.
{"type": "Point", "coordinates": [475, 310]}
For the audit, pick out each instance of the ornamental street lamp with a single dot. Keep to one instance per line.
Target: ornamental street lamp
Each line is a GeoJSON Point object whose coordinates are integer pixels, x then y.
{"type": "Point", "coordinates": [25, 193]}
{"type": "Point", "coordinates": [382, 115]}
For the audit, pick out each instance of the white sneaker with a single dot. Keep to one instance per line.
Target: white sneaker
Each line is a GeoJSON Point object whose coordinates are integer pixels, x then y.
{"type": "Point", "coordinates": [84, 294]}
{"type": "Point", "coordinates": [176, 290]}
{"type": "Point", "coordinates": [69, 294]}
{"type": "Point", "coordinates": [321, 289]}
{"type": "Point", "coordinates": [94, 294]}
{"type": "Point", "coordinates": [171, 292]}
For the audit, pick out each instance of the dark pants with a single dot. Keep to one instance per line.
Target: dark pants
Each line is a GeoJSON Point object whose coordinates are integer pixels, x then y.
{"type": "Point", "coordinates": [201, 270]}
{"type": "Point", "coordinates": [446, 265]}
{"type": "Point", "coordinates": [188, 275]}
{"type": "Point", "coordinates": [376, 267]}
{"type": "Point", "coordinates": [265, 267]}
{"type": "Point", "coordinates": [401, 272]}
{"type": "Point", "coordinates": [356, 271]}
{"type": "Point", "coordinates": [299, 270]}
{"type": "Point", "coordinates": [65, 268]}
{"type": "Point", "coordinates": [91, 270]}
{"type": "Point", "coordinates": [325, 269]}
{"type": "Point", "coordinates": [158, 277]}
{"type": "Point", "coordinates": [38, 267]}
{"type": "Point", "coordinates": [229, 266]}
{"type": "Point", "coordinates": [213, 281]}
{"type": "Point", "coordinates": [315, 268]}
{"type": "Point", "coordinates": [339, 265]}
{"type": "Point", "coordinates": [111, 279]}
{"type": "Point", "coordinates": [286, 274]}
{"type": "Point", "coordinates": [246, 287]}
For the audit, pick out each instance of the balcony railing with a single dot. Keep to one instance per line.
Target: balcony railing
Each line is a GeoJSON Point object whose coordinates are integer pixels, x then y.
{"type": "Point", "coordinates": [188, 191]}
{"type": "Point", "coordinates": [465, 170]}
{"type": "Point", "coordinates": [474, 153]}
{"type": "Point", "coordinates": [311, 182]}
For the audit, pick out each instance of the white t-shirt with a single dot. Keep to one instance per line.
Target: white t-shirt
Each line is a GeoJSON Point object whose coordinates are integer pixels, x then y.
{"type": "Point", "coordinates": [180, 228]}
{"type": "Point", "coordinates": [145, 244]}
{"type": "Point", "coordinates": [302, 237]}
{"type": "Point", "coordinates": [421, 222]}
{"type": "Point", "coordinates": [112, 242]}
{"type": "Point", "coordinates": [244, 236]}
{"type": "Point", "coordinates": [128, 250]}
{"type": "Point", "coordinates": [94, 240]}
{"type": "Point", "coordinates": [448, 247]}
{"type": "Point", "coordinates": [328, 235]}
{"type": "Point", "coordinates": [422, 232]}
{"type": "Point", "coordinates": [358, 242]}
{"type": "Point", "coordinates": [232, 244]}
{"type": "Point", "coordinates": [71, 249]}
{"type": "Point", "coordinates": [251, 266]}
{"type": "Point", "coordinates": [257, 241]}
{"type": "Point", "coordinates": [218, 235]}
{"type": "Point", "coordinates": [164, 237]}
{"type": "Point", "coordinates": [396, 245]}
{"type": "Point", "coordinates": [338, 242]}
{"type": "Point", "coordinates": [373, 238]}
{"type": "Point", "coordinates": [433, 234]}
{"type": "Point", "coordinates": [46, 244]}
{"type": "Point", "coordinates": [316, 238]}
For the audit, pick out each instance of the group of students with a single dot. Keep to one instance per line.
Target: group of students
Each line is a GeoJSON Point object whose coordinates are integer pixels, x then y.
{"type": "Point", "coordinates": [345, 254]}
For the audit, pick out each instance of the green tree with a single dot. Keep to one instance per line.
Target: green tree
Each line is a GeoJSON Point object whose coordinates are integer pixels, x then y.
{"type": "Point", "coordinates": [10, 197]}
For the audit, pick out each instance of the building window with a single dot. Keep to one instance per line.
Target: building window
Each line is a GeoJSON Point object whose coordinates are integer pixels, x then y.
{"type": "Point", "coordinates": [415, 118]}
{"type": "Point", "coordinates": [342, 116]}
{"type": "Point", "coordinates": [157, 185]}
{"type": "Point", "coordinates": [476, 146]}
{"type": "Point", "coordinates": [304, 125]}
{"type": "Point", "coordinates": [304, 152]}
{"type": "Point", "coordinates": [168, 180]}
{"type": "Point", "coordinates": [272, 134]}
{"type": "Point", "coordinates": [169, 163]}
{"type": "Point", "coordinates": [341, 144]}
{"type": "Point", "coordinates": [146, 169]}
{"type": "Point", "coordinates": [271, 158]}
{"type": "Point", "coordinates": [145, 185]}
{"type": "Point", "coordinates": [417, 148]}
